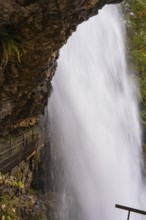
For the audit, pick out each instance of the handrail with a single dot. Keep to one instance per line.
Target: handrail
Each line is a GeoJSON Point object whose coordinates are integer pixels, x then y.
{"type": "Point", "coordinates": [129, 209]}
{"type": "Point", "coordinates": [18, 148]}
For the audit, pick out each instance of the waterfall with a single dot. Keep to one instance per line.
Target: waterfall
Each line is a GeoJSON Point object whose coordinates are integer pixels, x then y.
{"type": "Point", "coordinates": [95, 125]}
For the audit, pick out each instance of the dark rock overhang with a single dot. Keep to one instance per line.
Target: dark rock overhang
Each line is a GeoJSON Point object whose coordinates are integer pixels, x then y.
{"type": "Point", "coordinates": [31, 34]}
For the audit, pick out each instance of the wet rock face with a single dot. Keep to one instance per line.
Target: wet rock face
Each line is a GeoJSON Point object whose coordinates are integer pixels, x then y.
{"type": "Point", "coordinates": [31, 34]}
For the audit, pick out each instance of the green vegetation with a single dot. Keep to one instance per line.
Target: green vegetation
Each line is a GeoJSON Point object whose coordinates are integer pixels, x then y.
{"type": "Point", "coordinates": [135, 13]}
{"type": "Point", "coordinates": [8, 202]}
{"type": "Point", "coordinates": [12, 47]}
{"type": "Point", "coordinates": [18, 200]}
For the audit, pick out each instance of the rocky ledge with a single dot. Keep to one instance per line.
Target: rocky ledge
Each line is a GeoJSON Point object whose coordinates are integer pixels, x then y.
{"type": "Point", "coordinates": [31, 34]}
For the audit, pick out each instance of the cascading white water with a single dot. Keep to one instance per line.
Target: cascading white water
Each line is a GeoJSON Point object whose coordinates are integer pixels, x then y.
{"type": "Point", "coordinates": [94, 121]}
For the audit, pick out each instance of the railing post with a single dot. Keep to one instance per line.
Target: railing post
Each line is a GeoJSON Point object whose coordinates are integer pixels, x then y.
{"type": "Point", "coordinates": [32, 134]}
{"type": "Point", "coordinates": [10, 141]}
{"type": "Point", "coordinates": [10, 149]}
{"type": "Point", "coordinates": [45, 135]}
{"type": "Point", "coordinates": [128, 217]}
{"type": "Point", "coordinates": [37, 140]}
{"type": "Point", "coordinates": [23, 138]}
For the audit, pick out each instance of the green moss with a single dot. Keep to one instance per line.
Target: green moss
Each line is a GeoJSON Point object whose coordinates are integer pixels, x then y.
{"type": "Point", "coordinates": [7, 207]}
{"type": "Point", "coordinates": [18, 175]}
{"type": "Point", "coordinates": [32, 191]}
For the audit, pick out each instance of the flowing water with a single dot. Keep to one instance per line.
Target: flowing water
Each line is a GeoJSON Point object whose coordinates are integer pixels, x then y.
{"type": "Point", "coordinates": [95, 124]}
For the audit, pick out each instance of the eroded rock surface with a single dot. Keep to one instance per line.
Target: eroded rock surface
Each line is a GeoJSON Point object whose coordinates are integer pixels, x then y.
{"type": "Point", "coordinates": [31, 34]}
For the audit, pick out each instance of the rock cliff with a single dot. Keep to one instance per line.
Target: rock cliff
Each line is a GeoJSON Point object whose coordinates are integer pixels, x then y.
{"type": "Point", "coordinates": [31, 34]}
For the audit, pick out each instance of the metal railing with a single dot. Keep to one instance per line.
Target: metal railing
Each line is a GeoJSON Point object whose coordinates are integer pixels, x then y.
{"type": "Point", "coordinates": [129, 209]}
{"type": "Point", "coordinates": [17, 148]}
